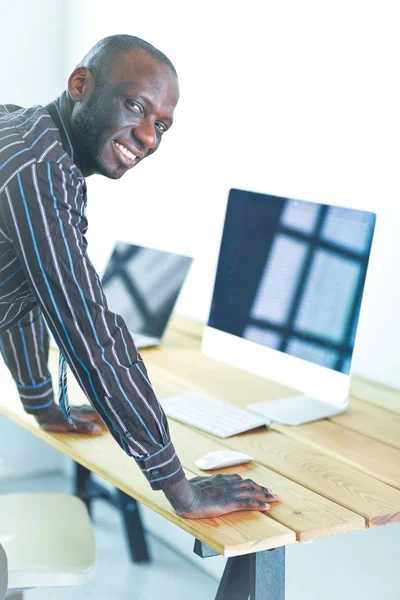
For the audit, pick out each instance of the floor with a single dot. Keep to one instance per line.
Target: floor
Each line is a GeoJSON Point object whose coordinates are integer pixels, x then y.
{"type": "Point", "coordinates": [169, 575]}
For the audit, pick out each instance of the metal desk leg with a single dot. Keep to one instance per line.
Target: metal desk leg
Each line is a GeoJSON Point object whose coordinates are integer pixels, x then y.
{"type": "Point", "coordinates": [82, 483]}
{"type": "Point", "coordinates": [267, 575]}
{"type": "Point", "coordinates": [235, 580]}
{"type": "Point", "coordinates": [257, 576]}
{"type": "Point", "coordinates": [88, 490]}
{"type": "Point", "coordinates": [134, 528]}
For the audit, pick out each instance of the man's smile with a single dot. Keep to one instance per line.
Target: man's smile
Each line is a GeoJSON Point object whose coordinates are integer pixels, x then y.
{"type": "Point", "coordinates": [126, 155]}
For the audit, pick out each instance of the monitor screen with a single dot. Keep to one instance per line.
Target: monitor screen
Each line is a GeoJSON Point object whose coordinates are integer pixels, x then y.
{"type": "Point", "coordinates": [291, 274]}
{"type": "Point", "coordinates": [142, 285]}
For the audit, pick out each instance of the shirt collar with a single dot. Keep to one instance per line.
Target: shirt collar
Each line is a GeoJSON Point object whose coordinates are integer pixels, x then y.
{"type": "Point", "coordinates": [60, 111]}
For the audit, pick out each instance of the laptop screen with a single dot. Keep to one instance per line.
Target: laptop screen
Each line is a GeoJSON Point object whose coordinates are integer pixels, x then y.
{"type": "Point", "coordinates": [291, 275]}
{"type": "Point", "coordinates": [142, 285]}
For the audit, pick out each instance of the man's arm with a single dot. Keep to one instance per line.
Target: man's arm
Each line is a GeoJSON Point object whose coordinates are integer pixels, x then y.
{"type": "Point", "coordinates": [44, 215]}
{"type": "Point", "coordinates": [25, 349]}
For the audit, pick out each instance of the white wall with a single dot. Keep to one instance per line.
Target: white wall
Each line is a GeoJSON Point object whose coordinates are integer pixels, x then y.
{"type": "Point", "coordinates": [292, 98]}
{"type": "Point", "coordinates": [32, 51]}
{"type": "Point", "coordinates": [32, 54]}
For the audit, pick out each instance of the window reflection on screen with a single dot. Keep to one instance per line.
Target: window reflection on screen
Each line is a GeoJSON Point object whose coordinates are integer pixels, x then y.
{"type": "Point", "coordinates": [291, 274]}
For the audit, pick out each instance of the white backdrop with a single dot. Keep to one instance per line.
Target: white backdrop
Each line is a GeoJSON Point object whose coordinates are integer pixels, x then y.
{"type": "Point", "coordinates": [290, 98]}
{"type": "Point", "coordinates": [32, 57]}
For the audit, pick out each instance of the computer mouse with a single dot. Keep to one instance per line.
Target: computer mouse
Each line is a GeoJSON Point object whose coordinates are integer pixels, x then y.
{"type": "Point", "coordinates": [221, 459]}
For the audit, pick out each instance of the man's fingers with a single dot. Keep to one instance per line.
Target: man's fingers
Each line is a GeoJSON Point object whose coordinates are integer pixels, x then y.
{"type": "Point", "coordinates": [86, 427]}
{"type": "Point", "coordinates": [251, 494]}
{"type": "Point", "coordinates": [82, 427]}
{"type": "Point", "coordinates": [87, 413]}
{"type": "Point", "coordinates": [273, 499]}
{"type": "Point", "coordinates": [251, 504]}
{"type": "Point", "coordinates": [252, 487]}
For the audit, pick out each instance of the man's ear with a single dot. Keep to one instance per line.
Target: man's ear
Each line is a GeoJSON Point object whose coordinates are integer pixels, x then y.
{"type": "Point", "coordinates": [81, 84]}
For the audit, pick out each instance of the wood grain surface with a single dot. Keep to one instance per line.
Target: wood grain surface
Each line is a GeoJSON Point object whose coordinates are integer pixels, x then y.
{"type": "Point", "coordinates": [375, 393]}
{"type": "Point", "coordinates": [230, 535]}
{"type": "Point", "coordinates": [369, 456]}
{"type": "Point", "coordinates": [371, 421]}
{"type": "Point", "coordinates": [332, 476]}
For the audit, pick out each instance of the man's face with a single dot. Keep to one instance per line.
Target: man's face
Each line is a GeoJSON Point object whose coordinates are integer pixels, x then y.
{"type": "Point", "coordinates": [125, 118]}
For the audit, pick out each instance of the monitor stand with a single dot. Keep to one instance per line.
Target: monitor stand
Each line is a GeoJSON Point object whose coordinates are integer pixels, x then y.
{"type": "Point", "coordinates": [296, 410]}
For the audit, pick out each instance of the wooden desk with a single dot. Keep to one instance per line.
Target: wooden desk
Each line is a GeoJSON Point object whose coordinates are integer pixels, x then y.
{"type": "Point", "coordinates": [333, 476]}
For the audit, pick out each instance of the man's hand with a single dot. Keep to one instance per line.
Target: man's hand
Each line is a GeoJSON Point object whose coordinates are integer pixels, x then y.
{"type": "Point", "coordinates": [86, 419]}
{"type": "Point", "coordinates": [217, 495]}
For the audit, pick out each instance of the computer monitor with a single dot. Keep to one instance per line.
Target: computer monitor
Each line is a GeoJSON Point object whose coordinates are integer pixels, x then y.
{"type": "Point", "coordinates": [142, 285]}
{"type": "Point", "coordinates": [287, 298]}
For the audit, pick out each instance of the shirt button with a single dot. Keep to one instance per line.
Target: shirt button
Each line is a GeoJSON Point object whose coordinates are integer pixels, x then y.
{"type": "Point", "coordinates": [155, 472]}
{"type": "Point", "coordinates": [127, 434]}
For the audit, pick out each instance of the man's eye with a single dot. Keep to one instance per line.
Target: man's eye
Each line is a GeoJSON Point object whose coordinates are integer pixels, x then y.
{"type": "Point", "coordinates": [161, 127]}
{"type": "Point", "coordinates": [135, 106]}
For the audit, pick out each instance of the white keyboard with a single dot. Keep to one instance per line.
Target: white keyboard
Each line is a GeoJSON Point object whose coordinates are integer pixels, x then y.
{"type": "Point", "coordinates": [211, 415]}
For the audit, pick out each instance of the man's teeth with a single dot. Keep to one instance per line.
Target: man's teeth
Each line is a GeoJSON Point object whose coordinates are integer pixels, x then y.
{"type": "Point", "coordinates": [125, 151]}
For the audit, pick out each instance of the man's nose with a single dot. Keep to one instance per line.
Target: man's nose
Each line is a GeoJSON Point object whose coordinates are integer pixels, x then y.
{"type": "Point", "coordinates": [146, 134]}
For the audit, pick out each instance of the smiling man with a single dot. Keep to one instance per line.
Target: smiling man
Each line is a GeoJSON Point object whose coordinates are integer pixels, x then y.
{"type": "Point", "coordinates": [119, 103]}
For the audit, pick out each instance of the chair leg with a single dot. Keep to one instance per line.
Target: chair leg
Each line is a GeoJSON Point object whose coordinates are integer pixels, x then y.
{"type": "Point", "coordinates": [3, 572]}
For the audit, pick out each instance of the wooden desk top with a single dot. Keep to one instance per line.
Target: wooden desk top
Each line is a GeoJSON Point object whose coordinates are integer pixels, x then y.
{"type": "Point", "coordinates": [333, 476]}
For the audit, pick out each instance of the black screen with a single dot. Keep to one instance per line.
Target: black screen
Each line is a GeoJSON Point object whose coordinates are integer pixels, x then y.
{"type": "Point", "coordinates": [291, 274]}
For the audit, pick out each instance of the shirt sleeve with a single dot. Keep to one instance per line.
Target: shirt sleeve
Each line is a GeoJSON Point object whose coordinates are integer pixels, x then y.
{"type": "Point", "coordinates": [45, 216]}
{"type": "Point", "coordinates": [25, 348]}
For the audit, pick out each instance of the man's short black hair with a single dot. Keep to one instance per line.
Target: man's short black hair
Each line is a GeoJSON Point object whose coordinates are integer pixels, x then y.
{"type": "Point", "coordinates": [101, 58]}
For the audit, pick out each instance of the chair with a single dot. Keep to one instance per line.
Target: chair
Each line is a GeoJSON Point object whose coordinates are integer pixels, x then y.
{"type": "Point", "coordinates": [3, 573]}
{"type": "Point", "coordinates": [48, 540]}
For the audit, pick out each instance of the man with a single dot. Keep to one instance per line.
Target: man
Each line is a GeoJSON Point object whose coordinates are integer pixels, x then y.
{"type": "Point", "coordinates": [119, 103]}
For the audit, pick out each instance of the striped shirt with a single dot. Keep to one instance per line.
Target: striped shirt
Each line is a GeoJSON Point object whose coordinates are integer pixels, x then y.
{"type": "Point", "coordinates": [46, 277]}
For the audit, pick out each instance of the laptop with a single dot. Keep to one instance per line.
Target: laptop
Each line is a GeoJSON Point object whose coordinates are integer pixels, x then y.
{"type": "Point", "coordinates": [142, 285]}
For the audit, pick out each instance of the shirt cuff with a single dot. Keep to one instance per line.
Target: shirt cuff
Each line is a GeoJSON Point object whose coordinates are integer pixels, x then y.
{"type": "Point", "coordinates": [161, 469]}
